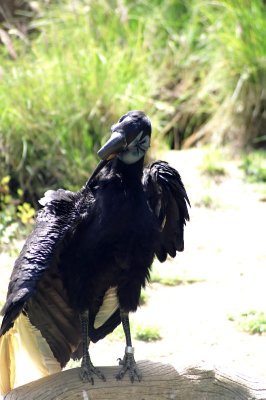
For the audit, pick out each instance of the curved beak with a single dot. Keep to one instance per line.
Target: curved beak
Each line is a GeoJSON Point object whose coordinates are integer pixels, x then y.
{"type": "Point", "coordinates": [113, 146]}
{"type": "Point", "coordinates": [110, 149]}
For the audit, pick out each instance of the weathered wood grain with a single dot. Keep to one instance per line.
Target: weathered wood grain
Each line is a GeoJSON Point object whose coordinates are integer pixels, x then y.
{"type": "Point", "coordinates": [160, 382]}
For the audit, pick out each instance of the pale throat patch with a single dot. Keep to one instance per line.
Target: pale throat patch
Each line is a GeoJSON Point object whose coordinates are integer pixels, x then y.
{"type": "Point", "coordinates": [135, 150]}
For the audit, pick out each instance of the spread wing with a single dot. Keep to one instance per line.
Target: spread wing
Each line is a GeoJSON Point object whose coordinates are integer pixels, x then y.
{"type": "Point", "coordinates": [60, 215]}
{"type": "Point", "coordinates": [168, 200]}
{"type": "Point", "coordinates": [36, 287]}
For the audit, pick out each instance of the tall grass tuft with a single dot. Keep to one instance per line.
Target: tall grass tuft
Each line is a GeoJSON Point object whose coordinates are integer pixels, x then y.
{"type": "Point", "coordinates": [87, 62]}
{"type": "Point", "coordinates": [196, 66]}
{"type": "Point", "coordinates": [222, 93]}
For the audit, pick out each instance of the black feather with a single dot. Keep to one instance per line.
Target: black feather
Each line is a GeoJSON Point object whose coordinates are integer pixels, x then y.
{"type": "Point", "coordinates": [104, 236]}
{"type": "Point", "coordinates": [163, 186]}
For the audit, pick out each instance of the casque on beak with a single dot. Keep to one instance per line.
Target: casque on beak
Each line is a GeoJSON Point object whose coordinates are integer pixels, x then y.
{"type": "Point", "coordinates": [113, 146]}
{"type": "Point", "coordinates": [109, 150]}
{"type": "Point", "coordinates": [129, 141]}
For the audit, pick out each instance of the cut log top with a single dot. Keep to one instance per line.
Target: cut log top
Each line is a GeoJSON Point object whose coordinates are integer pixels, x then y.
{"type": "Point", "coordinates": [160, 381]}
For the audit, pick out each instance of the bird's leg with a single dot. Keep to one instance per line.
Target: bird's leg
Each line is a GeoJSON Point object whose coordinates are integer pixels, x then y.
{"type": "Point", "coordinates": [128, 362]}
{"type": "Point", "coordinates": [87, 368]}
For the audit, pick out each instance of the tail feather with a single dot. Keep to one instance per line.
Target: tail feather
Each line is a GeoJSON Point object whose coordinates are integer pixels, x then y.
{"type": "Point", "coordinates": [24, 356]}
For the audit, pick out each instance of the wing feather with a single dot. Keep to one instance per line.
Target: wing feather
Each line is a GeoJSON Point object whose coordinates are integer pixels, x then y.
{"type": "Point", "coordinates": [168, 200]}
{"type": "Point", "coordinates": [59, 215]}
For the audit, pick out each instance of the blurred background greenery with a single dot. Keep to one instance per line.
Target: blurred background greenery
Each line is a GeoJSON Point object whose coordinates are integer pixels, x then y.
{"type": "Point", "coordinates": [70, 68]}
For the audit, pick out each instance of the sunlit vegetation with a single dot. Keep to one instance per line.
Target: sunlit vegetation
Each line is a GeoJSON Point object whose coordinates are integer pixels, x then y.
{"type": "Point", "coordinates": [143, 332]}
{"type": "Point", "coordinates": [226, 49]}
{"type": "Point", "coordinates": [143, 298]}
{"type": "Point", "coordinates": [197, 68]}
{"type": "Point", "coordinates": [172, 280]}
{"type": "Point", "coordinates": [208, 201]}
{"type": "Point", "coordinates": [169, 276]}
{"type": "Point", "coordinates": [253, 322]}
{"type": "Point", "coordinates": [87, 63]}
{"type": "Point", "coordinates": [213, 164]}
{"type": "Point", "coordinates": [148, 333]}
{"type": "Point", "coordinates": [16, 215]}
{"type": "Point", "coordinates": [254, 166]}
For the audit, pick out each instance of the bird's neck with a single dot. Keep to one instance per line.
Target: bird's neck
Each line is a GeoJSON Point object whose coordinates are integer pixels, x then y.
{"type": "Point", "coordinates": [130, 172]}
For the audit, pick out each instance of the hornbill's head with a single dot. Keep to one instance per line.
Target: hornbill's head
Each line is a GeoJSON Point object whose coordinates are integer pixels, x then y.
{"type": "Point", "coordinates": [129, 141]}
{"type": "Point", "coordinates": [130, 138]}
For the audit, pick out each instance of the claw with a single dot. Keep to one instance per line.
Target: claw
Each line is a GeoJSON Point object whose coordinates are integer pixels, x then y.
{"type": "Point", "coordinates": [120, 361]}
{"type": "Point", "coordinates": [88, 370]}
{"type": "Point", "coordinates": [129, 364]}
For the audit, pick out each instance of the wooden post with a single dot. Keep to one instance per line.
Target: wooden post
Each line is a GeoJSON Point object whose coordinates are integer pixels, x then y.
{"type": "Point", "coordinates": [160, 382]}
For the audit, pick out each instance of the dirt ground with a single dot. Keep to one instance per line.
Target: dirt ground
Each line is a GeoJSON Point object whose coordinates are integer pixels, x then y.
{"type": "Point", "coordinates": [225, 250]}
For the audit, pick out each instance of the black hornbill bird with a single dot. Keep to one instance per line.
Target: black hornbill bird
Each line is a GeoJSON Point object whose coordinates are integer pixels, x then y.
{"type": "Point", "coordinates": [82, 268]}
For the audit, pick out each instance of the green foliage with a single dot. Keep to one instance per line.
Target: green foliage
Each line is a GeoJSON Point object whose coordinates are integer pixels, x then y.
{"type": "Point", "coordinates": [212, 164]}
{"type": "Point", "coordinates": [253, 322]}
{"type": "Point", "coordinates": [208, 201]}
{"type": "Point", "coordinates": [148, 333]}
{"type": "Point", "coordinates": [262, 192]}
{"type": "Point", "coordinates": [87, 63]}
{"type": "Point", "coordinates": [143, 298]}
{"type": "Point", "coordinates": [223, 71]}
{"type": "Point", "coordinates": [26, 213]}
{"type": "Point", "coordinates": [170, 278]}
{"type": "Point", "coordinates": [167, 280]}
{"type": "Point", "coordinates": [16, 216]}
{"type": "Point", "coordinates": [118, 333]}
{"type": "Point", "coordinates": [254, 166]}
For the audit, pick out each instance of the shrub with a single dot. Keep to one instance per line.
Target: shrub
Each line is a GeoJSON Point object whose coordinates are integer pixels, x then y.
{"type": "Point", "coordinates": [85, 64]}
{"type": "Point", "coordinates": [254, 166]}
{"type": "Point", "coordinates": [148, 333]}
{"type": "Point", "coordinates": [197, 68]}
{"type": "Point", "coordinates": [253, 322]}
{"type": "Point", "coordinates": [221, 93]}
{"type": "Point", "coordinates": [16, 216]}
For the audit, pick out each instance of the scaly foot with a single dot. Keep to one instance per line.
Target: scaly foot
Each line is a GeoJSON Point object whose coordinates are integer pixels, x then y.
{"type": "Point", "coordinates": [129, 364]}
{"type": "Point", "coordinates": [88, 370]}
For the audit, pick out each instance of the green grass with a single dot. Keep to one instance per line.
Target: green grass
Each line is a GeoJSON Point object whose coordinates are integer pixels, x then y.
{"type": "Point", "coordinates": [224, 67]}
{"type": "Point", "coordinates": [169, 277]}
{"type": "Point", "coordinates": [253, 322]}
{"type": "Point", "coordinates": [254, 166]}
{"type": "Point", "coordinates": [213, 164]}
{"type": "Point", "coordinates": [139, 332]}
{"type": "Point", "coordinates": [16, 217]}
{"type": "Point", "coordinates": [87, 62]}
{"type": "Point", "coordinates": [148, 333]}
{"type": "Point", "coordinates": [208, 201]}
{"type": "Point", "coordinates": [262, 193]}
{"type": "Point", "coordinates": [172, 280]}
{"type": "Point", "coordinates": [143, 297]}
